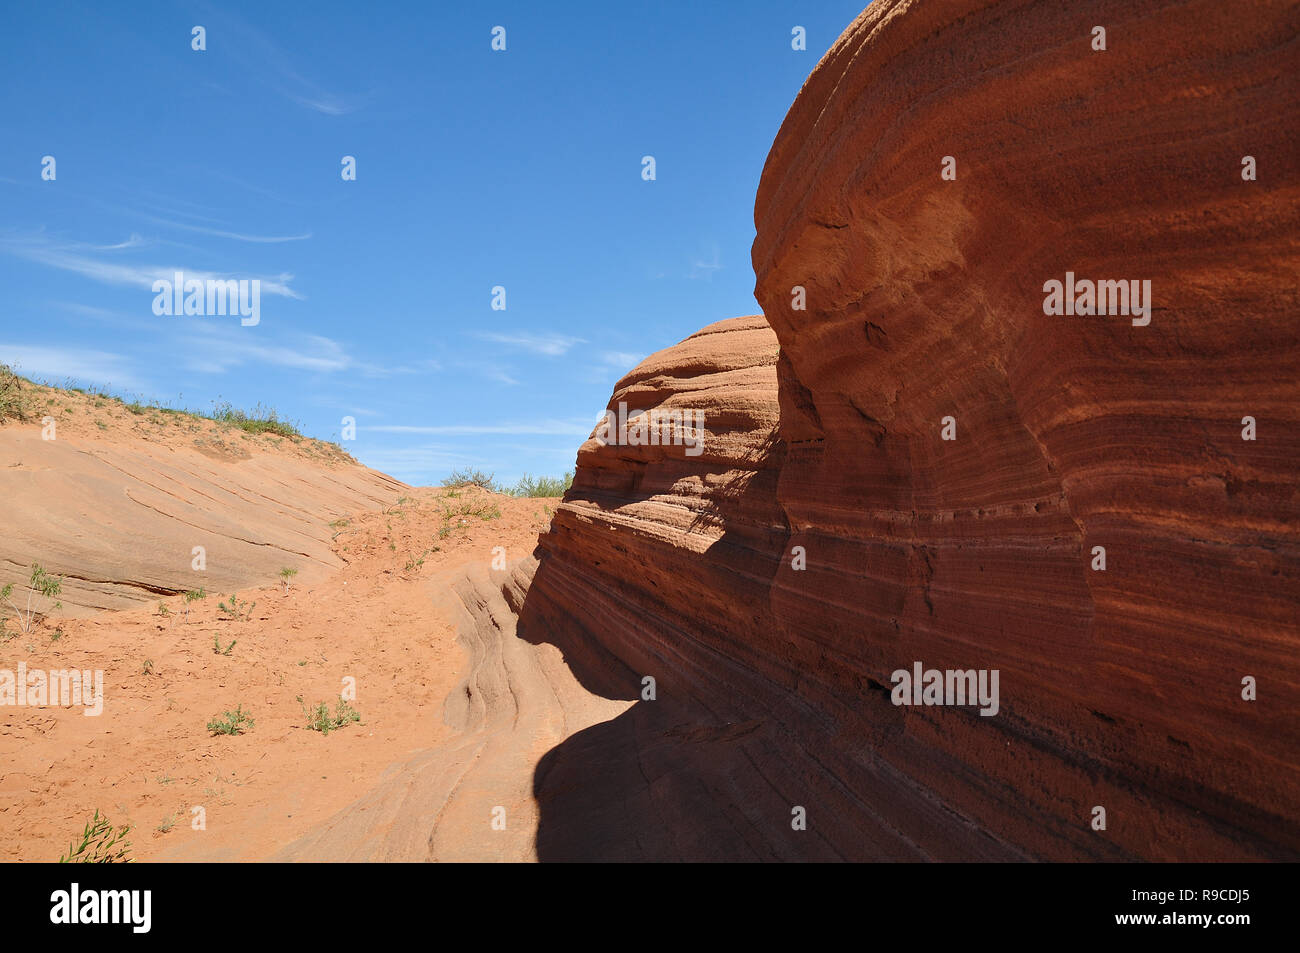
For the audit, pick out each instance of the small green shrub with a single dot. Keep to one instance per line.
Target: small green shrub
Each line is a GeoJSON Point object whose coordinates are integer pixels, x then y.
{"type": "Point", "coordinates": [467, 477]}
{"type": "Point", "coordinates": [101, 843]}
{"type": "Point", "coordinates": [40, 583]}
{"type": "Point", "coordinates": [194, 595]}
{"type": "Point", "coordinates": [542, 486]}
{"type": "Point", "coordinates": [239, 611]}
{"type": "Point", "coordinates": [259, 420]}
{"type": "Point", "coordinates": [414, 563]}
{"type": "Point", "coordinates": [319, 717]}
{"type": "Point", "coordinates": [231, 722]}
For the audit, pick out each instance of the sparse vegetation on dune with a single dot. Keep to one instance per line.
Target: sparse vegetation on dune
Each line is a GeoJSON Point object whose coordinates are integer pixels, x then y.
{"type": "Point", "coordinates": [319, 717]}
{"type": "Point", "coordinates": [466, 477]}
{"type": "Point", "coordinates": [527, 485]}
{"type": "Point", "coordinates": [416, 562]}
{"type": "Point", "coordinates": [455, 515]}
{"type": "Point", "coordinates": [23, 399]}
{"type": "Point", "coordinates": [542, 486]}
{"type": "Point", "coordinates": [15, 402]}
{"type": "Point", "coordinates": [231, 722]}
{"type": "Point", "coordinates": [239, 611]}
{"type": "Point", "coordinates": [259, 420]}
{"type": "Point", "coordinates": [484, 510]}
{"type": "Point", "coordinates": [40, 583]}
{"type": "Point", "coordinates": [194, 595]}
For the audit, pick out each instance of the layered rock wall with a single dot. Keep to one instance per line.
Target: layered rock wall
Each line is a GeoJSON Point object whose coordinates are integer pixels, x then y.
{"type": "Point", "coordinates": [923, 303]}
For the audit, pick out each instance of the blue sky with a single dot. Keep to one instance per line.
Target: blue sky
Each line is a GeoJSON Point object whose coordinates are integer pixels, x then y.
{"type": "Point", "coordinates": [474, 169]}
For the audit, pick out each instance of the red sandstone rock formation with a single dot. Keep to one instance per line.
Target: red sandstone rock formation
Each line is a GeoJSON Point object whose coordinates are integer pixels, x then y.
{"type": "Point", "coordinates": [1120, 688]}
{"type": "Point", "coordinates": [924, 300]}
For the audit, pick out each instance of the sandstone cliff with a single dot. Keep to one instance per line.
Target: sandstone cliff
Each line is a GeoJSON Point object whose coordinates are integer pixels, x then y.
{"type": "Point", "coordinates": [923, 297]}
{"type": "Point", "coordinates": [1121, 688]}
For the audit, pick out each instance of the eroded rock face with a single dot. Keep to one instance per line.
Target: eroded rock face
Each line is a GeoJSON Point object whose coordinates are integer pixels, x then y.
{"type": "Point", "coordinates": [658, 565]}
{"type": "Point", "coordinates": [1118, 688]}
{"type": "Point", "coordinates": [662, 565]}
{"type": "Point", "coordinates": [650, 536]}
{"type": "Point", "coordinates": [924, 300]}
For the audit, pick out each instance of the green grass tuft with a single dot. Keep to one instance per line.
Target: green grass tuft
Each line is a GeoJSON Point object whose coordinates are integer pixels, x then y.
{"type": "Point", "coordinates": [467, 477]}
{"type": "Point", "coordinates": [101, 843]}
{"type": "Point", "coordinates": [320, 719]}
{"type": "Point", "coordinates": [542, 486]}
{"type": "Point", "coordinates": [231, 722]}
{"type": "Point", "coordinates": [259, 420]}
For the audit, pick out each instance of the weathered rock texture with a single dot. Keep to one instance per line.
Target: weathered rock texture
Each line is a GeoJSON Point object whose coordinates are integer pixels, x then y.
{"type": "Point", "coordinates": [661, 565]}
{"type": "Point", "coordinates": [1119, 688]}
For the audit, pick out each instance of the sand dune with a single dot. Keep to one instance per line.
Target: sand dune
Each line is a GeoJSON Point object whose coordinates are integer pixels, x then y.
{"type": "Point", "coordinates": [117, 510]}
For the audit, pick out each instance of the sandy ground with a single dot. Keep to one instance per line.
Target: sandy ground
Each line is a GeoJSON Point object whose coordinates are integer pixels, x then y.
{"type": "Point", "coordinates": [149, 761]}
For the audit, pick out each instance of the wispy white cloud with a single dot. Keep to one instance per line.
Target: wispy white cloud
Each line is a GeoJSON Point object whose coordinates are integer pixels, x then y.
{"type": "Point", "coordinates": [169, 208]}
{"type": "Point", "coordinates": [58, 363]}
{"type": "Point", "coordinates": [237, 236]}
{"type": "Point", "coordinates": [625, 360]}
{"type": "Point", "coordinates": [607, 363]}
{"type": "Point", "coordinates": [329, 105]}
{"type": "Point", "coordinates": [135, 241]}
{"type": "Point", "coordinates": [208, 349]}
{"type": "Point", "coordinates": [267, 62]}
{"type": "Point", "coordinates": [550, 344]}
{"type": "Point", "coordinates": [68, 258]}
{"type": "Point", "coordinates": [493, 372]}
{"type": "Point", "coordinates": [706, 269]}
{"type": "Point", "coordinates": [251, 187]}
{"type": "Point", "coordinates": [142, 320]}
{"type": "Point", "coordinates": [167, 205]}
{"type": "Point", "coordinates": [214, 348]}
{"type": "Point", "coordinates": [205, 346]}
{"type": "Point", "coordinates": [371, 369]}
{"type": "Point", "coordinates": [85, 310]}
{"type": "Point", "coordinates": [412, 464]}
